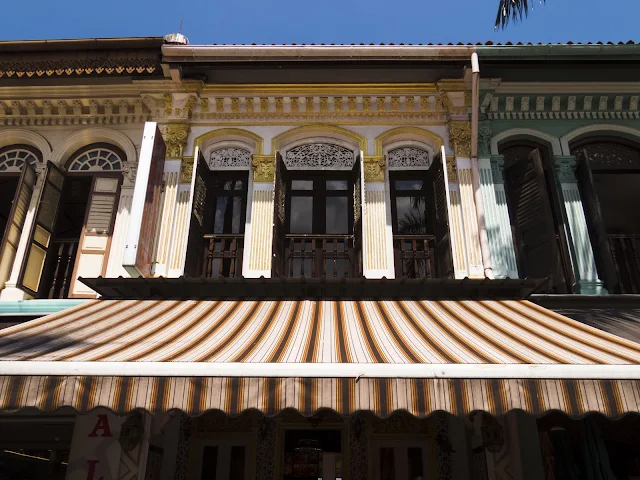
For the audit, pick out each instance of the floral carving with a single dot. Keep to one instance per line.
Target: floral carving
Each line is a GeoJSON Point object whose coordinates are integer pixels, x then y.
{"type": "Point", "coordinates": [130, 172]}
{"type": "Point", "coordinates": [460, 134]}
{"type": "Point", "coordinates": [452, 171]}
{"type": "Point", "coordinates": [175, 137]}
{"type": "Point", "coordinates": [319, 156]}
{"type": "Point", "coordinates": [264, 167]}
{"type": "Point", "coordinates": [186, 170]}
{"type": "Point", "coordinates": [497, 167]}
{"type": "Point", "coordinates": [230, 158]}
{"type": "Point", "coordinates": [408, 157]}
{"type": "Point", "coordinates": [484, 138]}
{"type": "Point", "coordinates": [566, 167]}
{"type": "Point", "coordinates": [374, 169]}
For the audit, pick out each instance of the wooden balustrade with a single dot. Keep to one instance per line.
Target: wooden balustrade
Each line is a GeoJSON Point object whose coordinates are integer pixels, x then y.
{"type": "Point", "coordinates": [223, 255]}
{"type": "Point", "coordinates": [414, 256]}
{"type": "Point", "coordinates": [313, 255]}
{"type": "Point", "coordinates": [64, 251]}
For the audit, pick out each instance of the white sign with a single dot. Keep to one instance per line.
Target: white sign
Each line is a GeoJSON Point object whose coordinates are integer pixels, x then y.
{"type": "Point", "coordinates": [95, 449]}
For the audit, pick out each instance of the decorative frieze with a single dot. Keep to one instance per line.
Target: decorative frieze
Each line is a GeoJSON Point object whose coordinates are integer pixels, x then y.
{"type": "Point", "coordinates": [374, 168]}
{"type": "Point", "coordinates": [264, 167]}
{"type": "Point", "coordinates": [460, 136]}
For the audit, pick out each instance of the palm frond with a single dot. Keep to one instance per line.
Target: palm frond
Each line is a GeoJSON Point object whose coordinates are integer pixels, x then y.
{"type": "Point", "coordinates": [512, 10]}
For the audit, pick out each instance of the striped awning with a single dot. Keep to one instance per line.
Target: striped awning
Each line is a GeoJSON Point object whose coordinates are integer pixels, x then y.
{"type": "Point", "coordinates": [379, 356]}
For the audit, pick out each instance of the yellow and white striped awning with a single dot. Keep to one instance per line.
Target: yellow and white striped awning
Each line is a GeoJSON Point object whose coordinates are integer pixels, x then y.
{"type": "Point", "coordinates": [380, 356]}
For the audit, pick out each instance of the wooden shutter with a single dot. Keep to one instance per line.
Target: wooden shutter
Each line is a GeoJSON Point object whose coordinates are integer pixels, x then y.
{"type": "Point", "coordinates": [438, 205]}
{"type": "Point", "coordinates": [195, 246]}
{"type": "Point", "coordinates": [95, 240]}
{"type": "Point", "coordinates": [357, 174]}
{"type": "Point", "coordinates": [532, 220]}
{"type": "Point", "coordinates": [42, 230]}
{"type": "Point", "coordinates": [15, 222]}
{"type": "Point", "coordinates": [595, 223]}
{"type": "Point", "coordinates": [280, 194]}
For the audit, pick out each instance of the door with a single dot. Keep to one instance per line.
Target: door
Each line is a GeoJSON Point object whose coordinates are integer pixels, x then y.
{"type": "Point", "coordinates": [401, 460]}
{"type": "Point", "coordinates": [595, 223]}
{"type": "Point", "coordinates": [533, 221]}
{"type": "Point", "coordinates": [196, 245]}
{"type": "Point", "coordinates": [439, 197]}
{"type": "Point", "coordinates": [228, 460]}
{"type": "Point", "coordinates": [15, 220]}
{"type": "Point", "coordinates": [95, 239]}
{"type": "Point", "coordinates": [279, 199]}
{"type": "Point", "coordinates": [357, 176]}
{"type": "Point", "coordinates": [42, 230]}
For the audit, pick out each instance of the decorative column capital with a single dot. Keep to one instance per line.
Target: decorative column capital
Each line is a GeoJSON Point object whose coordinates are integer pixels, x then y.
{"type": "Point", "coordinates": [484, 138]}
{"type": "Point", "coordinates": [129, 172]}
{"type": "Point", "coordinates": [497, 168]}
{"type": "Point", "coordinates": [175, 136]}
{"type": "Point", "coordinates": [264, 168]}
{"type": "Point", "coordinates": [460, 136]}
{"type": "Point", "coordinates": [566, 168]}
{"type": "Point", "coordinates": [374, 168]}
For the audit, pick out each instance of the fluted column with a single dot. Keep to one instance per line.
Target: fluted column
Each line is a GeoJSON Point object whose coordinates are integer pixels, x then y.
{"type": "Point", "coordinates": [584, 265]}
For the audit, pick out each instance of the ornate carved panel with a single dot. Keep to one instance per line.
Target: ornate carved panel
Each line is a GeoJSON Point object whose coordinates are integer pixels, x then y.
{"type": "Point", "coordinates": [229, 158]}
{"type": "Point", "coordinates": [611, 155]}
{"type": "Point", "coordinates": [408, 157]}
{"type": "Point", "coordinates": [317, 156]}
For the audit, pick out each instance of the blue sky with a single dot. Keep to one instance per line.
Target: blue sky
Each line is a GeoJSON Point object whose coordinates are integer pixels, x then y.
{"type": "Point", "coordinates": [338, 21]}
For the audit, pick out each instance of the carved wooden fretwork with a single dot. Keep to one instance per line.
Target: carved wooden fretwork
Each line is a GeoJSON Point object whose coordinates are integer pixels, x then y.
{"type": "Point", "coordinates": [13, 160]}
{"type": "Point", "coordinates": [229, 158]}
{"type": "Point", "coordinates": [96, 160]}
{"type": "Point", "coordinates": [408, 157]}
{"type": "Point", "coordinates": [317, 156]}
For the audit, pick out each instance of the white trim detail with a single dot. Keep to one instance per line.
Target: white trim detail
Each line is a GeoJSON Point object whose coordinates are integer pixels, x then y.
{"type": "Point", "coordinates": [88, 136]}
{"type": "Point", "coordinates": [322, 370]}
{"type": "Point", "coordinates": [553, 141]}
{"type": "Point", "coordinates": [565, 140]}
{"type": "Point", "coordinates": [26, 137]}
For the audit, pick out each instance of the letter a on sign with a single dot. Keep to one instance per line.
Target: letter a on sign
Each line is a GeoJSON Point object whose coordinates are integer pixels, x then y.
{"type": "Point", "coordinates": [102, 425]}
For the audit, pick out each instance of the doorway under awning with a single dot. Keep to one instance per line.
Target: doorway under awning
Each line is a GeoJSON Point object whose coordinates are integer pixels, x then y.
{"type": "Point", "coordinates": [382, 356]}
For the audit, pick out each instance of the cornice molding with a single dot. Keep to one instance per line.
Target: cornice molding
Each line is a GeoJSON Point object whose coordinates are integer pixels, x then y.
{"type": "Point", "coordinates": [324, 89]}
{"type": "Point", "coordinates": [566, 87]}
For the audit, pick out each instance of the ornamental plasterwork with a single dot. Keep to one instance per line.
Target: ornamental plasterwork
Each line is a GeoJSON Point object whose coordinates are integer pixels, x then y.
{"type": "Point", "coordinates": [407, 157]}
{"type": "Point", "coordinates": [175, 136]}
{"type": "Point", "coordinates": [374, 168]}
{"type": "Point", "coordinates": [484, 138]}
{"type": "Point", "coordinates": [561, 107]}
{"type": "Point", "coordinates": [497, 169]}
{"type": "Point", "coordinates": [452, 171]}
{"type": "Point", "coordinates": [566, 168]}
{"type": "Point", "coordinates": [264, 168]}
{"type": "Point", "coordinates": [317, 156]}
{"type": "Point", "coordinates": [130, 172]}
{"type": "Point", "coordinates": [73, 112]}
{"type": "Point", "coordinates": [229, 158]}
{"type": "Point", "coordinates": [460, 135]}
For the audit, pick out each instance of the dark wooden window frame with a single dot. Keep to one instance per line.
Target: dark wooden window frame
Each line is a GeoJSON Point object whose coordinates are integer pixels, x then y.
{"type": "Point", "coordinates": [215, 192]}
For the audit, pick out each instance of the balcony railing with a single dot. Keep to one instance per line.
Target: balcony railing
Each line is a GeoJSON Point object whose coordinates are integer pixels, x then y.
{"type": "Point", "coordinates": [313, 255]}
{"type": "Point", "coordinates": [414, 256]}
{"type": "Point", "coordinates": [626, 257]}
{"type": "Point", "coordinates": [223, 255]}
{"type": "Point", "coordinates": [64, 251]}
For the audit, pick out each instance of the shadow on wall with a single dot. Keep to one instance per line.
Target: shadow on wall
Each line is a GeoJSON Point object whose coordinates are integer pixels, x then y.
{"type": "Point", "coordinates": [502, 257]}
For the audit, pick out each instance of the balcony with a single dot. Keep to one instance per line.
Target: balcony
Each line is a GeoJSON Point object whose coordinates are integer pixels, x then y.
{"type": "Point", "coordinates": [223, 255]}
{"type": "Point", "coordinates": [414, 256]}
{"type": "Point", "coordinates": [61, 268]}
{"type": "Point", "coordinates": [314, 255]}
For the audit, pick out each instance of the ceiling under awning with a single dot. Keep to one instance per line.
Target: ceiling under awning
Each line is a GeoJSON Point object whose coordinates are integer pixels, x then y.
{"type": "Point", "coordinates": [376, 355]}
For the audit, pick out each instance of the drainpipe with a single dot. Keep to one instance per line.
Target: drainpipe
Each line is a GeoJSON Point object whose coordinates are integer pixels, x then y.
{"type": "Point", "coordinates": [475, 171]}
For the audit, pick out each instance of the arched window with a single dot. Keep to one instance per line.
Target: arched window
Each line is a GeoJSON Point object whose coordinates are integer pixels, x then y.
{"type": "Point", "coordinates": [12, 158]}
{"type": "Point", "coordinates": [96, 159]}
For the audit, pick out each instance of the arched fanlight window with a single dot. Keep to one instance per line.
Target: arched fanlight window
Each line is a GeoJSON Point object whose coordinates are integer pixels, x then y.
{"type": "Point", "coordinates": [13, 159]}
{"type": "Point", "coordinates": [97, 159]}
{"type": "Point", "coordinates": [409, 157]}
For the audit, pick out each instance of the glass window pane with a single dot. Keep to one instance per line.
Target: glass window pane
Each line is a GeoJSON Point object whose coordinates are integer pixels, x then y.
{"type": "Point", "coordinates": [209, 463]}
{"type": "Point", "coordinates": [301, 215]}
{"type": "Point", "coordinates": [410, 216]}
{"type": "Point", "coordinates": [228, 216]}
{"type": "Point", "coordinates": [414, 184]}
{"type": "Point", "coordinates": [337, 215]}
{"type": "Point", "coordinates": [414, 458]}
{"type": "Point", "coordinates": [301, 184]}
{"type": "Point", "coordinates": [48, 207]}
{"type": "Point", "coordinates": [337, 185]}
{"type": "Point", "coordinates": [387, 464]}
{"type": "Point", "coordinates": [236, 469]}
